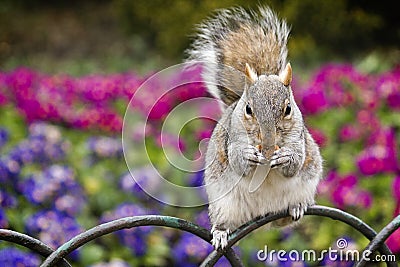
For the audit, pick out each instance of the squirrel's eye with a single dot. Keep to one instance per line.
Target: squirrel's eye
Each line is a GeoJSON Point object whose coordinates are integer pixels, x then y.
{"type": "Point", "coordinates": [288, 109]}
{"type": "Point", "coordinates": [248, 110]}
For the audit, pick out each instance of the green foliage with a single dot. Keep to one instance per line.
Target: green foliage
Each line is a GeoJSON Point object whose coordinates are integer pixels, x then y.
{"type": "Point", "coordinates": [320, 29]}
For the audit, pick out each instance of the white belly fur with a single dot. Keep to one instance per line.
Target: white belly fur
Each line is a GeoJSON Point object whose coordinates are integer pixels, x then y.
{"type": "Point", "coordinates": [275, 194]}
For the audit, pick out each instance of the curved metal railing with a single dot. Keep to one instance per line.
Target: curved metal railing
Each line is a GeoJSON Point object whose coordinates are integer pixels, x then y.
{"type": "Point", "coordinates": [53, 257]}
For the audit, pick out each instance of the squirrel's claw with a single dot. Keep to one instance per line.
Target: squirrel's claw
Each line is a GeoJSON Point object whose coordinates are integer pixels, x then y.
{"type": "Point", "coordinates": [254, 156]}
{"type": "Point", "coordinates": [281, 157]}
{"type": "Point", "coordinates": [220, 238]}
{"type": "Point", "coordinates": [297, 211]}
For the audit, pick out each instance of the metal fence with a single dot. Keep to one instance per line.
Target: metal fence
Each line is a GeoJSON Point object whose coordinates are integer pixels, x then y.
{"type": "Point", "coordinates": [57, 257]}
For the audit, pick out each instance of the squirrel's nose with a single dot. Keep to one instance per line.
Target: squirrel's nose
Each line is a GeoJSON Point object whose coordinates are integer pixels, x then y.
{"type": "Point", "coordinates": [268, 141]}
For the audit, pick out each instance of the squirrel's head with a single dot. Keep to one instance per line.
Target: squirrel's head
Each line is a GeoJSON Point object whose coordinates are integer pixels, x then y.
{"type": "Point", "coordinates": [268, 102]}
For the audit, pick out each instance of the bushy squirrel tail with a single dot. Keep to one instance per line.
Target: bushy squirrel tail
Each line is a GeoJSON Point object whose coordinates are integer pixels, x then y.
{"type": "Point", "coordinates": [230, 39]}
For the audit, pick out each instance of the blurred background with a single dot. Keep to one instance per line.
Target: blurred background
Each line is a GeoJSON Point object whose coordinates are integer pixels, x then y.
{"type": "Point", "coordinates": [84, 36]}
{"type": "Point", "coordinates": [69, 68]}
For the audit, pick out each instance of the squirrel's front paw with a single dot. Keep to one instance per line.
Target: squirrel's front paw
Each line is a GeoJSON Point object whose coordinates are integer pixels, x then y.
{"type": "Point", "coordinates": [297, 211]}
{"type": "Point", "coordinates": [253, 155]}
{"type": "Point", "coordinates": [281, 157]}
{"type": "Point", "coordinates": [285, 159]}
{"type": "Point", "coordinates": [220, 238]}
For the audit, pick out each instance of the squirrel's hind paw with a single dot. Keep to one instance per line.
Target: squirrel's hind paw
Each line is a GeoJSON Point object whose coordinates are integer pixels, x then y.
{"type": "Point", "coordinates": [297, 211]}
{"type": "Point", "coordinates": [220, 238]}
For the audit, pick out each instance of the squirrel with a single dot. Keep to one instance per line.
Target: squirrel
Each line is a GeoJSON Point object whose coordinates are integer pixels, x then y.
{"type": "Point", "coordinates": [260, 158]}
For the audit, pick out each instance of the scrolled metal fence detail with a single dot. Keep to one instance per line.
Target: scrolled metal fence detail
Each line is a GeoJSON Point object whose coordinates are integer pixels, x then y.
{"type": "Point", "coordinates": [53, 257]}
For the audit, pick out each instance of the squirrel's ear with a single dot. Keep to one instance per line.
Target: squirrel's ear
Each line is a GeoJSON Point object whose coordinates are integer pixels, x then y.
{"type": "Point", "coordinates": [250, 74]}
{"type": "Point", "coordinates": [286, 75]}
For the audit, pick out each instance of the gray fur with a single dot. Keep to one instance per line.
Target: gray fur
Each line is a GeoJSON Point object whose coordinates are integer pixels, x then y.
{"type": "Point", "coordinates": [264, 142]}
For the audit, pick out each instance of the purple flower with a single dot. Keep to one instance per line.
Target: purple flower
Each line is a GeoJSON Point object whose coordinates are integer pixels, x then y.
{"type": "Point", "coordinates": [53, 228]}
{"type": "Point", "coordinates": [45, 131]}
{"type": "Point", "coordinates": [338, 259]}
{"type": "Point", "coordinates": [15, 257]}
{"type": "Point", "coordinates": [3, 219]}
{"type": "Point", "coordinates": [44, 144]}
{"type": "Point", "coordinates": [71, 202]}
{"type": "Point", "coordinates": [112, 263]}
{"type": "Point", "coordinates": [7, 200]}
{"type": "Point", "coordinates": [190, 250]}
{"type": "Point", "coordinates": [105, 147]}
{"type": "Point", "coordinates": [202, 219]}
{"type": "Point", "coordinates": [134, 238]}
{"type": "Point", "coordinates": [9, 170]}
{"type": "Point", "coordinates": [140, 181]}
{"type": "Point", "coordinates": [196, 179]}
{"type": "Point", "coordinates": [56, 185]}
{"type": "Point", "coordinates": [3, 137]}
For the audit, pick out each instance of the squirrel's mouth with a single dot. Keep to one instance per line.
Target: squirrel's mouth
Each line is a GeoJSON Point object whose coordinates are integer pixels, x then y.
{"type": "Point", "coordinates": [268, 145]}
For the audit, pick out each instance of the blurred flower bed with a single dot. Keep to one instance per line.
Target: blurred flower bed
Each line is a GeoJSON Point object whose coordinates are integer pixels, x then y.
{"type": "Point", "coordinates": [62, 168]}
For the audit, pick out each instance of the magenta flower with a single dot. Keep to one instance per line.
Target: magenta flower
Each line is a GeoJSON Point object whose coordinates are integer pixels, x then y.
{"type": "Point", "coordinates": [372, 160]}
{"type": "Point", "coordinates": [327, 185]}
{"type": "Point", "coordinates": [167, 140]}
{"type": "Point", "coordinates": [396, 188]}
{"type": "Point", "coordinates": [318, 136]}
{"type": "Point", "coordinates": [204, 134]}
{"type": "Point", "coordinates": [367, 120]}
{"type": "Point", "coordinates": [381, 153]}
{"type": "Point", "coordinates": [350, 133]}
{"type": "Point", "coordinates": [343, 191]}
{"type": "Point", "coordinates": [3, 88]}
{"type": "Point", "coordinates": [314, 101]}
{"type": "Point", "coordinates": [393, 241]}
{"type": "Point", "coordinates": [388, 88]}
{"type": "Point", "coordinates": [351, 196]}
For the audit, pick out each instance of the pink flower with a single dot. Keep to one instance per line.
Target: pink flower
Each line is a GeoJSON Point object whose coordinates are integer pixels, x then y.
{"type": "Point", "coordinates": [349, 133]}
{"type": "Point", "coordinates": [381, 153]}
{"type": "Point", "coordinates": [314, 101]}
{"type": "Point", "coordinates": [160, 110]}
{"type": "Point", "coordinates": [388, 88]}
{"type": "Point", "coordinates": [393, 241]}
{"type": "Point", "coordinates": [204, 134]}
{"type": "Point", "coordinates": [328, 184]}
{"type": "Point", "coordinates": [318, 136]}
{"type": "Point", "coordinates": [396, 188]}
{"type": "Point", "coordinates": [368, 120]}
{"type": "Point", "coordinates": [167, 140]}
